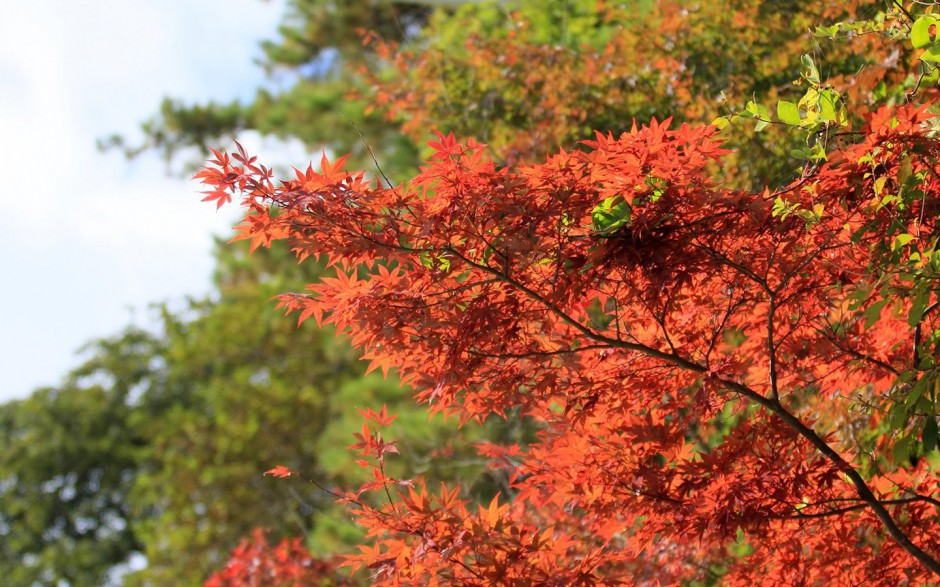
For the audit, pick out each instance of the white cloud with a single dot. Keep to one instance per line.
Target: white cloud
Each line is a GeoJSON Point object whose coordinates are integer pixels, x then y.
{"type": "Point", "coordinates": [85, 236]}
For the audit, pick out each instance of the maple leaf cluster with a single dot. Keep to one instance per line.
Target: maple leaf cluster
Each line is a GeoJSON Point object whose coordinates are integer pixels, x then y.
{"type": "Point", "coordinates": [257, 563]}
{"type": "Point", "coordinates": [715, 372]}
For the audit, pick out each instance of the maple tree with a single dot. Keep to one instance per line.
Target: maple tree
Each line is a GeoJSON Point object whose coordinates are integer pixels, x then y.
{"type": "Point", "coordinates": [754, 370]}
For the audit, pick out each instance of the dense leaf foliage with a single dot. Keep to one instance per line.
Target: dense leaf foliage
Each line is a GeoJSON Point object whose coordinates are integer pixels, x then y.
{"type": "Point", "coordinates": [634, 307]}
{"type": "Point", "coordinates": [67, 465]}
{"type": "Point", "coordinates": [256, 563]}
{"type": "Point", "coordinates": [531, 75]}
{"type": "Point", "coordinates": [547, 74]}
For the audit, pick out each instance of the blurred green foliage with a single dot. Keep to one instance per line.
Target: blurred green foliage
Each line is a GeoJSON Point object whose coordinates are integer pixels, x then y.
{"type": "Point", "coordinates": [156, 445]}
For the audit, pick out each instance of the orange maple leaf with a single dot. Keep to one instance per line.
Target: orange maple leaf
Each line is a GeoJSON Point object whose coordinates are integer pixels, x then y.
{"type": "Point", "coordinates": [280, 472]}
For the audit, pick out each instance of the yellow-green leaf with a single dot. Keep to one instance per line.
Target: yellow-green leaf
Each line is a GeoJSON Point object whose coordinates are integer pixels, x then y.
{"type": "Point", "coordinates": [901, 240]}
{"type": "Point", "coordinates": [788, 113]}
{"type": "Point", "coordinates": [920, 31]}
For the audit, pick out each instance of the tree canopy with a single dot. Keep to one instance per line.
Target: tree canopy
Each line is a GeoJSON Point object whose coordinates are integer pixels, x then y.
{"type": "Point", "coordinates": [749, 368]}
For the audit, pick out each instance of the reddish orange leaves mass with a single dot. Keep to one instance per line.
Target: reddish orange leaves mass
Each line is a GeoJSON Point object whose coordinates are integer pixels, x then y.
{"type": "Point", "coordinates": [255, 562]}
{"type": "Point", "coordinates": [280, 472]}
{"type": "Point", "coordinates": [717, 375]}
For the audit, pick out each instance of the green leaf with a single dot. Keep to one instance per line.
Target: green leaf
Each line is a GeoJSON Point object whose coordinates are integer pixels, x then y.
{"type": "Point", "coordinates": [905, 170]}
{"type": "Point", "coordinates": [918, 307]}
{"type": "Point", "coordinates": [901, 240]}
{"type": "Point", "coordinates": [902, 450]}
{"type": "Point", "coordinates": [829, 105]}
{"type": "Point", "coordinates": [929, 435]}
{"type": "Point", "coordinates": [763, 112]}
{"type": "Point", "coordinates": [814, 153]}
{"type": "Point", "coordinates": [783, 208]}
{"type": "Point", "coordinates": [827, 31]}
{"type": "Point", "coordinates": [873, 312]}
{"type": "Point", "coordinates": [788, 113]}
{"type": "Point", "coordinates": [425, 259]}
{"type": "Point", "coordinates": [759, 111]}
{"type": "Point", "coordinates": [897, 417]}
{"type": "Point", "coordinates": [809, 71]}
{"type": "Point", "coordinates": [611, 214]}
{"type": "Point", "coordinates": [659, 187]}
{"type": "Point", "coordinates": [721, 122]}
{"type": "Point", "coordinates": [917, 392]}
{"type": "Point", "coordinates": [809, 103]}
{"type": "Point", "coordinates": [920, 31]}
{"type": "Point", "coordinates": [931, 55]}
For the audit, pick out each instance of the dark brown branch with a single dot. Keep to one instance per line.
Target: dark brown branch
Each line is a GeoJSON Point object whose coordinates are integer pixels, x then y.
{"type": "Point", "coordinates": [910, 17]}
{"type": "Point", "coordinates": [917, 333]}
{"type": "Point", "coordinates": [534, 354]}
{"type": "Point", "coordinates": [772, 349]}
{"type": "Point", "coordinates": [831, 337]}
{"type": "Point", "coordinates": [839, 511]}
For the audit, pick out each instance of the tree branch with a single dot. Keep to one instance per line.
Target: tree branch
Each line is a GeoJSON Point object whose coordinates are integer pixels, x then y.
{"type": "Point", "coordinates": [772, 404]}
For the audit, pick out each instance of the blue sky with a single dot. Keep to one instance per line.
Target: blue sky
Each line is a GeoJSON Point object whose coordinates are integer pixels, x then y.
{"type": "Point", "coordinates": [88, 239]}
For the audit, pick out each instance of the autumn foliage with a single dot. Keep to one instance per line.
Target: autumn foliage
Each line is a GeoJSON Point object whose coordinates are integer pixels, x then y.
{"type": "Point", "coordinates": [728, 384]}
{"type": "Point", "coordinates": [711, 369]}
{"type": "Point", "coordinates": [527, 87]}
{"type": "Point", "coordinates": [256, 563]}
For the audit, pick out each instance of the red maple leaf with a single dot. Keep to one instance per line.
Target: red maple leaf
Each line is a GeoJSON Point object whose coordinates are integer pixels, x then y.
{"type": "Point", "coordinates": [280, 472]}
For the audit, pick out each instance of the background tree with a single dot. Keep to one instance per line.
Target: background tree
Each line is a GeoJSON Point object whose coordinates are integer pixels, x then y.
{"type": "Point", "coordinates": [528, 77]}
{"type": "Point", "coordinates": [233, 399]}
{"type": "Point", "coordinates": [250, 389]}
{"type": "Point", "coordinates": [313, 66]}
{"type": "Point", "coordinates": [150, 447]}
{"type": "Point", "coordinates": [70, 456]}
